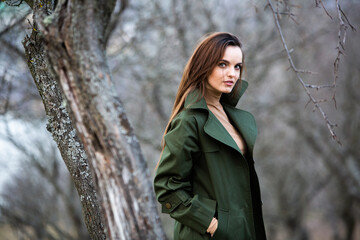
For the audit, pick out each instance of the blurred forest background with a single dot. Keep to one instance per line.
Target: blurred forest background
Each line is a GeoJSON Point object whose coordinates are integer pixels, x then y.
{"type": "Point", "coordinates": [310, 183]}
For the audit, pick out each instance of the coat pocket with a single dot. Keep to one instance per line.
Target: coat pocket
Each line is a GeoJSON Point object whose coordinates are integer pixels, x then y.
{"type": "Point", "coordinates": [221, 231]}
{"type": "Point", "coordinates": [239, 226]}
{"type": "Point", "coordinates": [183, 232]}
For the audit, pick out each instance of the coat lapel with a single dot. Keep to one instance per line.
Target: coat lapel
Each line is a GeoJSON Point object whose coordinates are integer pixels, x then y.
{"type": "Point", "coordinates": [243, 121]}
{"type": "Point", "coordinates": [215, 129]}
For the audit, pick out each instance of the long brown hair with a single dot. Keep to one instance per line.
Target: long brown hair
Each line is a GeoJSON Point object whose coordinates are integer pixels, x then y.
{"type": "Point", "coordinates": [206, 56]}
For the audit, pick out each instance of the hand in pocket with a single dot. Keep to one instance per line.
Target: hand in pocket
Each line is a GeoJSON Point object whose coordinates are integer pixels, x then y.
{"type": "Point", "coordinates": [212, 227]}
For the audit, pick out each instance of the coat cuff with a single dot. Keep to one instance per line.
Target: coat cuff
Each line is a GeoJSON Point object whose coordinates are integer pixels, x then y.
{"type": "Point", "coordinates": [196, 212]}
{"type": "Point", "coordinates": [172, 202]}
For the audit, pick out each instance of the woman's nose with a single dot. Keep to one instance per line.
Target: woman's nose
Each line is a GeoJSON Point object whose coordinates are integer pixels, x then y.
{"type": "Point", "coordinates": [231, 72]}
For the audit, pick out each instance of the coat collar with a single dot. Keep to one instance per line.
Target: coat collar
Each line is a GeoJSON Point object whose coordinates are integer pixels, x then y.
{"type": "Point", "coordinates": [194, 99]}
{"type": "Point", "coordinates": [241, 119]}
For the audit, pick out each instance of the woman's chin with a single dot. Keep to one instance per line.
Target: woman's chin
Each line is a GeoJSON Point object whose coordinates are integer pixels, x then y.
{"type": "Point", "coordinates": [227, 90]}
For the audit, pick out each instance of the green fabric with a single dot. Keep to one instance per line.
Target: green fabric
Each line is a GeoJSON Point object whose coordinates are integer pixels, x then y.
{"type": "Point", "coordinates": [202, 173]}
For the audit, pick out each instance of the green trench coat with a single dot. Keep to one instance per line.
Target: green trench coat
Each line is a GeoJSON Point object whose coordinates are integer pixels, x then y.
{"type": "Point", "coordinates": [202, 173]}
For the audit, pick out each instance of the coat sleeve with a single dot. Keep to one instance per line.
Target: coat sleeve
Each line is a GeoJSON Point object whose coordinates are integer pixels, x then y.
{"type": "Point", "coordinates": [172, 180]}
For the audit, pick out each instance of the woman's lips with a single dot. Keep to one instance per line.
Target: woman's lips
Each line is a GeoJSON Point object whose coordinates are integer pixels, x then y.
{"type": "Point", "coordinates": [229, 83]}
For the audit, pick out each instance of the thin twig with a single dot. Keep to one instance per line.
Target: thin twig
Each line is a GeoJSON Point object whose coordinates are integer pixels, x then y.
{"type": "Point", "coordinates": [347, 20]}
{"type": "Point", "coordinates": [286, 13]}
{"type": "Point", "coordinates": [292, 65]}
{"type": "Point", "coordinates": [321, 100]}
{"type": "Point", "coordinates": [317, 87]}
{"type": "Point", "coordinates": [7, 92]}
{"type": "Point", "coordinates": [341, 43]}
{"type": "Point", "coordinates": [14, 3]}
{"type": "Point", "coordinates": [339, 46]}
{"type": "Point", "coordinates": [305, 71]}
{"type": "Point", "coordinates": [323, 6]}
{"type": "Point", "coordinates": [292, 18]}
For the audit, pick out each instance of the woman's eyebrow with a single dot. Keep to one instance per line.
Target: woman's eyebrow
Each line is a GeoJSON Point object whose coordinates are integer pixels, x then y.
{"type": "Point", "coordinates": [226, 61]}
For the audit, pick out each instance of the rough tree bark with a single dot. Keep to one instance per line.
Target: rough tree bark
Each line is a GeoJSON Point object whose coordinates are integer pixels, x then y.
{"type": "Point", "coordinates": [75, 47]}
{"type": "Point", "coordinates": [60, 126]}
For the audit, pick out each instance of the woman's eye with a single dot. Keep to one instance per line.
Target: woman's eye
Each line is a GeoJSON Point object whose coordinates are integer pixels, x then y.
{"type": "Point", "coordinates": [237, 67]}
{"type": "Point", "coordinates": [222, 65]}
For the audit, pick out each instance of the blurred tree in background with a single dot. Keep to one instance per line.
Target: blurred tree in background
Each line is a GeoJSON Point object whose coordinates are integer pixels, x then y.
{"type": "Point", "coordinates": [310, 184]}
{"type": "Point", "coordinates": [66, 53]}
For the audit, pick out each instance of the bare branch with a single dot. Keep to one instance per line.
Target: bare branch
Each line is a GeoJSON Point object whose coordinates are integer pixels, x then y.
{"type": "Point", "coordinates": [8, 93]}
{"type": "Point", "coordinates": [15, 218]}
{"type": "Point", "coordinates": [30, 3]}
{"type": "Point", "coordinates": [341, 42]}
{"type": "Point", "coordinates": [209, 16]}
{"type": "Point", "coordinates": [321, 100]}
{"type": "Point", "coordinates": [285, 13]}
{"type": "Point", "coordinates": [317, 87]}
{"type": "Point", "coordinates": [14, 24]}
{"type": "Point", "coordinates": [180, 28]}
{"type": "Point", "coordinates": [16, 3]}
{"type": "Point", "coordinates": [347, 20]}
{"type": "Point", "coordinates": [292, 65]}
{"type": "Point", "coordinates": [305, 71]}
{"type": "Point", "coordinates": [13, 48]}
{"type": "Point", "coordinates": [292, 18]}
{"type": "Point", "coordinates": [46, 174]}
{"type": "Point", "coordinates": [351, 185]}
{"type": "Point", "coordinates": [317, 2]}
{"type": "Point", "coordinates": [115, 19]}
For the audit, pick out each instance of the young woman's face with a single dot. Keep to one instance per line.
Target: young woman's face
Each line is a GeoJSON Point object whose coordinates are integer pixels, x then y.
{"type": "Point", "coordinates": [224, 76]}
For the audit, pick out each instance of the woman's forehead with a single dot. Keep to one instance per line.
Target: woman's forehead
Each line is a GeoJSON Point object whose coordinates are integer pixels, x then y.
{"type": "Point", "coordinates": [233, 54]}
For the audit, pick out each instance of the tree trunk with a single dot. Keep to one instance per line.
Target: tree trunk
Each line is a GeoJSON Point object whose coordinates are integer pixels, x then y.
{"type": "Point", "coordinates": [60, 126]}
{"type": "Point", "coordinates": [74, 43]}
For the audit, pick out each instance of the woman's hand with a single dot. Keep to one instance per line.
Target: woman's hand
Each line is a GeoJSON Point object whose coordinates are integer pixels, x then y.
{"type": "Point", "coordinates": [212, 227]}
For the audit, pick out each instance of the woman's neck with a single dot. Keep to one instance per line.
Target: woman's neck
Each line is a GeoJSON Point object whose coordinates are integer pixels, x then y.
{"type": "Point", "coordinates": [212, 97]}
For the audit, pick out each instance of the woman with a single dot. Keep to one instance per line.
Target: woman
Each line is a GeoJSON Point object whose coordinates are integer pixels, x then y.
{"type": "Point", "coordinates": [205, 178]}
